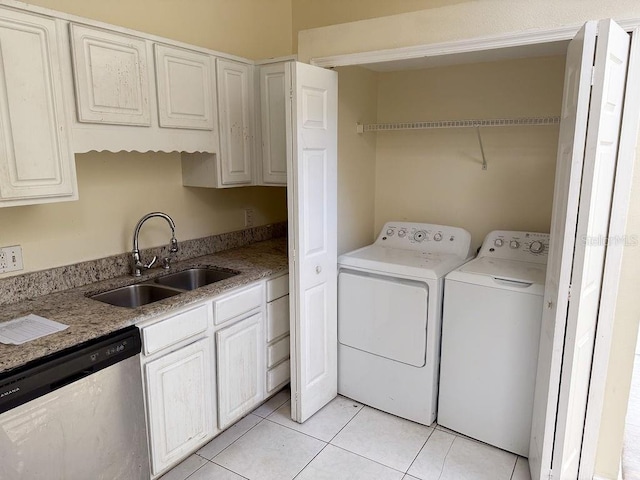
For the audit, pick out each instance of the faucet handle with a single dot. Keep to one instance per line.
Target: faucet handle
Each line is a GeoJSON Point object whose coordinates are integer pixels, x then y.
{"type": "Point", "coordinates": [150, 264]}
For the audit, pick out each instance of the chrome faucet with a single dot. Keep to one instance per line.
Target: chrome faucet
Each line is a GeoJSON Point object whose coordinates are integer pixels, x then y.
{"type": "Point", "coordinates": [137, 265]}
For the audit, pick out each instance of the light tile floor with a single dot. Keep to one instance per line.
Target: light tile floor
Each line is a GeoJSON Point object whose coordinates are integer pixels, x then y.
{"type": "Point", "coordinates": [344, 441]}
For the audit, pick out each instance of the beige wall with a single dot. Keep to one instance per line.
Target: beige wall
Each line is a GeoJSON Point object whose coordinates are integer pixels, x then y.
{"type": "Point", "coordinates": [357, 102]}
{"type": "Point", "coordinates": [313, 13]}
{"type": "Point", "coordinates": [250, 28]}
{"type": "Point", "coordinates": [436, 176]}
{"type": "Point", "coordinates": [117, 189]}
{"type": "Point", "coordinates": [456, 21]}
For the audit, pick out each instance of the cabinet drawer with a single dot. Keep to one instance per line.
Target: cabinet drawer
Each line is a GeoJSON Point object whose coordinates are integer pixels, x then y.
{"type": "Point", "coordinates": [277, 376]}
{"type": "Point", "coordinates": [237, 303]}
{"type": "Point", "coordinates": [174, 329]}
{"type": "Point", "coordinates": [277, 287]}
{"type": "Point", "coordinates": [277, 318]}
{"type": "Point", "coordinates": [278, 352]}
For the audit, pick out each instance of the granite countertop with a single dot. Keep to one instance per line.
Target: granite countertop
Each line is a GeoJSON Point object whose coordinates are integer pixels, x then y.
{"type": "Point", "coordinates": [89, 319]}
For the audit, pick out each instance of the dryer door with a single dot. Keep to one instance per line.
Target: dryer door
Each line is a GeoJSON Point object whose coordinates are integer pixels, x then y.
{"type": "Point", "coordinates": [382, 315]}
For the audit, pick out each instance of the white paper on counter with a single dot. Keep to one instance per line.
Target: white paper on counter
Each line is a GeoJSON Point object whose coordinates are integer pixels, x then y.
{"type": "Point", "coordinates": [24, 329]}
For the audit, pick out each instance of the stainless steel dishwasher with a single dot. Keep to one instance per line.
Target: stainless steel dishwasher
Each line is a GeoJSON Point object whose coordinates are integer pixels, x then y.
{"type": "Point", "coordinates": [76, 415]}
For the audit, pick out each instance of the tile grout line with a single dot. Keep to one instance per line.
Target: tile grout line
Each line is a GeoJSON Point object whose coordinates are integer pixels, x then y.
{"type": "Point", "coordinates": [418, 454]}
{"type": "Point", "coordinates": [362, 405]}
{"type": "Point", "coordinates": [309, 462]}
{"type": "Point", "coordinates": [297, 431]}
{"type": "Point", "coordinates": [185, 478]}
{"type": "Point", "coordinates": [444, 460]}
{"type": "Point", "coordinates": [254, 426]}
{"type": "Point", "coordinates": [513, 470]}
{"type": "Point", "coordinates": [311, 436]}
{"type": "Point", "coordinates": [367, 458]}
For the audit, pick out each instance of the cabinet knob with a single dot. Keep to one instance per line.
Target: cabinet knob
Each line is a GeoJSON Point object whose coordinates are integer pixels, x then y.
{"type": "Point", "coordinates": [318, 269]}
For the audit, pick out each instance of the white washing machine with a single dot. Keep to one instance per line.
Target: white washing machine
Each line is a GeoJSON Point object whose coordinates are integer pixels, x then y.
{"type": "Point", "coordinates": [389, 317]}
{"type": "Point", "coordinates": [490, 335]}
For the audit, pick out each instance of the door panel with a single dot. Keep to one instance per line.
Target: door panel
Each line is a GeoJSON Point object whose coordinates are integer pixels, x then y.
{"type": "Point", "coordinates": [240, 351]}
{"type": "Point", "coordinates": [582, 198]}
{"type": "Point", "coordinates": [312, 180]}
{"type": "Point", "coordinates": [593, 221]}
{"type": "Point", "coordinates": [236, 125]}
{"type": "Point", "coordinates": [36, 162]}
{"type": "Point", "coordinates": [180, 408]}
{"type": "Point", "coordinates": [111, 77]}
{"type": "Point", "coordinates": [184, 88]}
{"type": "Point", "coordinates": [273, 91]}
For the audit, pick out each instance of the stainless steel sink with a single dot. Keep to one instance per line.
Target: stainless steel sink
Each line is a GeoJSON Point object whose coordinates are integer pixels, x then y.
{"type": "Point", "coordinates": [195, 278]}
{"type": "Point", "coordinates": [136, 295]}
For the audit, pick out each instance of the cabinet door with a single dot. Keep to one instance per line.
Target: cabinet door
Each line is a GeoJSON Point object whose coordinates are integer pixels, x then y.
{"type": "Point", "coordinates": [180, 403]}
{"type": "Point", "coordinates": [184, 88]}
{"type": "Point", "coordinates": [111, 77]}
{"type": "Point", "coordinates": [241, 370]}
{"type": "Point", "coordinates": [236, 128]}
{"type": "Point", "coordinates": [273, 88]}
{"type": "Point", "coordinates": [36, 161]}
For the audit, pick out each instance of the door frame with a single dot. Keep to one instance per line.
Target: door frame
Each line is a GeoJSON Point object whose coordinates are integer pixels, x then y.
{"type": "Point", "coordinates": [622, 184]}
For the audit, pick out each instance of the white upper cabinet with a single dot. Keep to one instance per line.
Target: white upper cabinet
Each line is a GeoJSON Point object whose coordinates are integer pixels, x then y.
{"type": "Point", "coordinates": [273, 88]}
{"type": "Point", "coordinates": [185, 97]}
{"type": "Point", "coordinates": [136, 94]}
{"type": "Point", "coordinates": [111, 77]}
{"type": "Point", "coordinates": [36, 160]}
{"type": "Point", "coordinates": [235, 97]}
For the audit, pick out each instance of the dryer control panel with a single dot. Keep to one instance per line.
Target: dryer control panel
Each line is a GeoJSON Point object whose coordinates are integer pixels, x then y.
{"type": "Point", "coordinates": [425, 237]}
{"type": "Point", "coordinates": [523, 246]}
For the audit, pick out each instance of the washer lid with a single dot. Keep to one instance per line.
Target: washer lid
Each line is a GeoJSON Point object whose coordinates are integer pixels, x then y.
{"type": "Point", "coordinates": [503, 269]}
{"type": "Point", "coordinates": [401, 262]}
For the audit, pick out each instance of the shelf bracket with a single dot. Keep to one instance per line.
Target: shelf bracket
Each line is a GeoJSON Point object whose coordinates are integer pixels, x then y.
{"type": "Point", "coordinates": [484, 158]}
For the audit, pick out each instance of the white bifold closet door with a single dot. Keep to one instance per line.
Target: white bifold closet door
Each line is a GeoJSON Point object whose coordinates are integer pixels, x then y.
{"type": "Point", "coordinates": [312, 111]}
{"type": "Point", "coordinates": [595, 78]}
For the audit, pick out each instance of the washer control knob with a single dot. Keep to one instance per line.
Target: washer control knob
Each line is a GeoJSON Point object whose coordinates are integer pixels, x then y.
{"type": "Point", "coordinates": [390, 231]}
{"type": "Point", "coordinates": [514, 244]}
{"type": "Point", "coordinates": [437, 237]}
{"type": "Point", "coordinates": [420, 236]}
{"type": "Point", "coordinates": [498, 242]}
{"type": "Point", "coordinates": [536, 247]}
{"type": "Point", "coordinates": [402, 233]}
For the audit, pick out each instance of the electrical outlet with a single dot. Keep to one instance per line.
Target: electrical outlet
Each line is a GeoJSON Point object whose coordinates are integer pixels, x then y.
{"type": "Point", "coordinates": [248, 217]}
{"type": "Point", "coordinates": [11, 259]}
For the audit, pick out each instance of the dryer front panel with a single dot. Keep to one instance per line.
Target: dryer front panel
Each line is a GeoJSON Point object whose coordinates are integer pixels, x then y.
{"type": "Point", "coordinates": [385, 316]}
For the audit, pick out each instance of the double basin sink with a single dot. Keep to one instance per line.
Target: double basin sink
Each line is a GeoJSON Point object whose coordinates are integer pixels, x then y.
{"type": "Point", "coordinates": [166, 286]}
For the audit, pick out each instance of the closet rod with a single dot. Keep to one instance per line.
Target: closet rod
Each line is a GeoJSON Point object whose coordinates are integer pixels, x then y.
{"type": "Point", "coordinates": [498, 122]}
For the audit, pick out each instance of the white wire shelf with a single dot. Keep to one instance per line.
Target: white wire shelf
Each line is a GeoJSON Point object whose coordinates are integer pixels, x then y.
{"type": "Point", "coordinates": [473, 123]}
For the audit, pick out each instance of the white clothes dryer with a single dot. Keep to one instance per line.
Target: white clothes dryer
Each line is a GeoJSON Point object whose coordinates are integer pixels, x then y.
{"type": "Point", "coordinates": [389, 317]}
{"type": "Point", "coordinates": [490, 336]}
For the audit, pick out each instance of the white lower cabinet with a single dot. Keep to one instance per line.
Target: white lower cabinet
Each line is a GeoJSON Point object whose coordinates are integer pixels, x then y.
{"type": "Point", "coordinates": [240, 355]}
{"type": "Point", "coordinates": [180, 388]}
{"type": "Point", "coordinates": [208, 365]}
